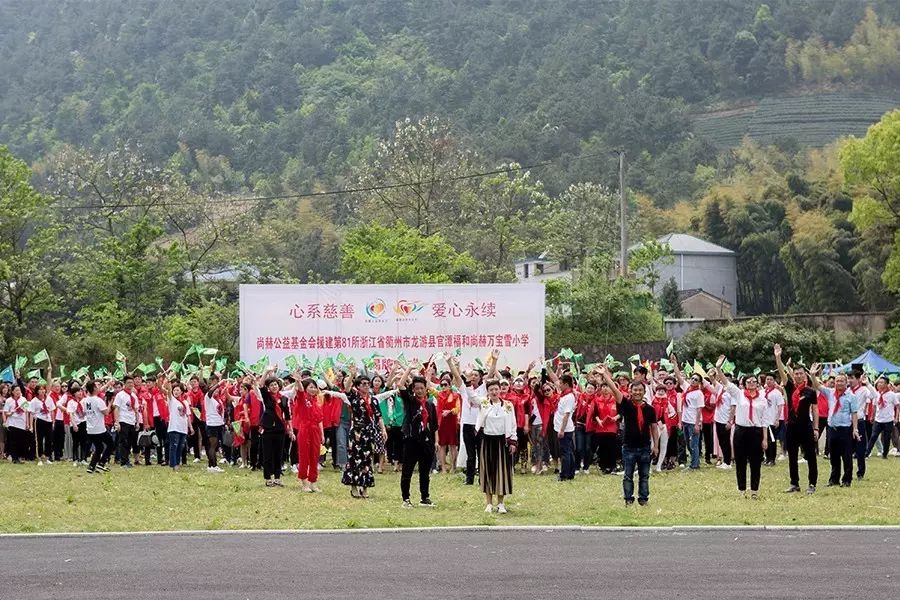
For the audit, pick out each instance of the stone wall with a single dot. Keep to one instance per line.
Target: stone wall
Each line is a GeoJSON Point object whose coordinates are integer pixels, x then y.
{"type": "Point", "coordinates": [871, 324]}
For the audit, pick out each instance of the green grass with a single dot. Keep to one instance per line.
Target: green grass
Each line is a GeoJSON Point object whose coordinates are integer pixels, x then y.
{"type": "Point", "coordinates": [62, 498]}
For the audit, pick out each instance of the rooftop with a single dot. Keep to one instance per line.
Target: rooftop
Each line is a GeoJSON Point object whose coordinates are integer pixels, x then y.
{"type": "Point", "coordinates": [682, 243]}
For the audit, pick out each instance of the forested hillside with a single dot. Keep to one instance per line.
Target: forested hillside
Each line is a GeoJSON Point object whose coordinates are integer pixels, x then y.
{"type": "Point", "coordinates": [150, 150]}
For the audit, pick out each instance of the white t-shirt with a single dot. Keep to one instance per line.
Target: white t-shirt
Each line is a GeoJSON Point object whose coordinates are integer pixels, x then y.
{"type": "Point", "coordinates": [16, 418]}
{"type": "Point", "coordinates": [864, 396]}
{"type": "Point", "coordinates": [537, 414]}
{"type": "Point", "coordinates": [723, 400]}
{"type": "Point", "coordinates": [179, 413]}
{"type": "Point", "coordinates": [774, 402]}
{"type": "Point", "coordinates": [123, 402]}
{"type": "Point", "coordinates": [885, 414]}
{"type": "Point", "coordinates": [742, 409]}
{"type": "Point", "coordinates": [566, 405]}
{"type": "Point", "coordinates": [213, 418]}
{"type": "Point", "coordinates": [693, 401]}
{"type": "Point", "coordinates": [43, 409]}
{"type": "Point", "coordinates": [59, 414]}
{"type": "Point", "coordinates": [73, 407]}
{"type": "Point", "coordinates": [471, 403]}
{"type": "Point", "coordinates": [93, 414]}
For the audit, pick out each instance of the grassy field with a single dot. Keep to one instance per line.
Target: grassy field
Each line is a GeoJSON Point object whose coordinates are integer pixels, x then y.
{"type": "Point", "coordinates": [62, 498]}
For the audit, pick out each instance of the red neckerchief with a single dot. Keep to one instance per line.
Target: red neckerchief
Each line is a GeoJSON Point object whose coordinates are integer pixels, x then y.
{"type": "Point", "coordinates": [367, 402]}
{"type": "Point", "coordinates": [640, 416]}
{"type": "Point", "coordinates": [131, 398]}
{"type": "Point", "coordinates": [750, 400]}
{"type": "Point", "coordinates": [423, 403]}
{"type": "Point", "coordinates": [720, 396]}
{"type": "Point", "coordinates": [44, 404]}
{"type": "Point", "coordinates": [79, 410]}
{"type": "Point", "coordinates": [881, 402]}
{"type": "Point", "coordinates": [19, 407]}
{"type": "Point", "coordinates": [837, 402]}
{"type": "Point", "coordinates": [795, 398]}
{"type": "Point", "coordinates": [220, 404]}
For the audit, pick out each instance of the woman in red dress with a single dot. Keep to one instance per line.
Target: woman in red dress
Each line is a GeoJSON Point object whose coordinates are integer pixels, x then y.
{"type": "Point", "coordinates": [448, 407]}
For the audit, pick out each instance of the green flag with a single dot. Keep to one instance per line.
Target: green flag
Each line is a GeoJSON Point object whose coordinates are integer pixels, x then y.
{"type": "Point", "coordinates": [62, 371]}
{"type": "Point", "coordinates": [36, 373]}
{"type": "Point", "coordinates": [220, 364]}
{"type": "Point", "coordinates": [666, 365]}
{"type": "Point", "coordinates": [40, 357]}
{"type": "Point", "coordinates": [99, 373]}
{"type": "Point", "coordinates": [578, 358]}
{"type": "Point", "coordinates": [159, 361]}
{"type": "Point", "coordinates": [206, 372]}
{"type": "Point", "coordinates": [566, 353]}
{"type": "Point", "coordinates": [369, 364]}
{"type": "Point", "coordinates": [478, 362]}
{"type": "Point", "coordinates": [20, 362]}
{"type": "Point", "coordinates": [458, 352]}
{"type": "Point", "coordinates": [210, 351]}
{"type": "Point", "coordinates": [757, 371]}
{"type": "Point", "coordinates": [242, 366]}
{"type": "Point", "coordinates": [291, 363]}
{"type": "Point", "coordinates": [688, 369]}
{"type": "Point", "coordinates": [236, 425]}
{"type": "Point", "coordinates": [670, 348]}
{"type": "Point", "coordinates": [634, 358]}
{"type": "Point", "coordinates": [728, 367]}
{"type": "Point", "coordinates": [401, 358]}
{"type": "Point", "coordinates": [119, 374]}
{"type": "Point", "coordinates": [120, 357]}
{"type": "Point", "coordinates": [260, 366]}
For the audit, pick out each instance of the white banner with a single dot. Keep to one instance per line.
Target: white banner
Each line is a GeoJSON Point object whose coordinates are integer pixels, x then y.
{"type": "Point", "coordinates": [360, 321]}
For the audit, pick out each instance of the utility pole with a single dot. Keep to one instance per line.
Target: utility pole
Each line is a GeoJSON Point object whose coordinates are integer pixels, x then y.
{"type": "Point", "coordinates": [623, 218]}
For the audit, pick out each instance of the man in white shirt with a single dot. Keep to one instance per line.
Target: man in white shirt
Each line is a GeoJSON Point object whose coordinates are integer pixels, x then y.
{"type": "Point", "coordinates": [887, 414]}
{"type": "Point", "coordinates": [95, 411]}
{"type": "Point", "coordinates": [865, 396]}
{"type": "Point", "coordinates": [564, 425]}
{"type": "Point", "coordinates": [126, 407]}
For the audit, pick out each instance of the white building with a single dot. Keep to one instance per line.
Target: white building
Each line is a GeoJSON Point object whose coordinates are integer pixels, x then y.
{"type": "Point", "coordinates": [541, 268]}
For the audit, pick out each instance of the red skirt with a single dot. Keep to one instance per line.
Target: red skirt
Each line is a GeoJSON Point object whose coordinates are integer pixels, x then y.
{"type": "Point", "coordinates": [448, 431]}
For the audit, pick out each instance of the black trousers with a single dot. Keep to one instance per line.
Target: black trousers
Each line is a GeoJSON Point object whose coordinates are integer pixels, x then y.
{"type": "Point", "coordinates": [707, 440]}
{"type": "Point", "coordinates": [80, 446]}
{"type": "Point", "coordinates": [416, 453]}
{"type": "Point", "coordinates": [59, 439]}
{"type": "Point", "coordinates": [823, 427]}
{"type": "Point", "coordinates": [605, 451]}
{"type": "Point", "coordinates": [123, 443]}
{"type": "Point", "coordinates": [102, 443]}
{"type": "Point", "coordinates": [162, 449]}
{"type": "Point", "coordinates": [272, 450]}
{"type": "Point", "coordinates": [331, 442]}
{"type": "Point", "coordinates": [471, 442]}
{"type": "Point", "coordinates": [860, 447]}
{"type": "Point", "coordinates": [44, 430]}
{"type": "Point", "coordinates": [841, 455]}
{"type": "Point", "coordinates": [395, 445]}
{"type": "Point", "coordinates": [884, 430]}
{"type": "Point", "coordinates": [254, 447]}
{"type": "Point", "coordinates": [772, 449]}
{"type": "Point", "coordinates": [724, 436]}
{"type": "Point", "coordinates": [797, 438]}
{"type": "Point", "coordinates": [748, 450]}
{"type": "Point", "coordinates": [17, 443]}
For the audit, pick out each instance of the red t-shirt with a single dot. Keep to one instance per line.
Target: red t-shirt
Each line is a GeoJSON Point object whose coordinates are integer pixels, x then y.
{"type": "Point", "coordinates": [708, 411]}
{"type": "Point", "coordinates": [822, 405]}
{"type": "Point", "coordinates": [605, 409]}
{"type": "Point", "coordinates": [306, 411]}
{"type": "Point", "coordinates": [521, 404]}
{"type": "Point", "coordinates": [331, 411]}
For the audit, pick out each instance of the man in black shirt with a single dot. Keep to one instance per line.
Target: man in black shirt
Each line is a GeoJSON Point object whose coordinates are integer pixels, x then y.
{"type": "Point", "coordinates": [640, 440]}
{"type": "Point", "coordinates": [419, 440]}
{"type": "Point", "coordinates": [801, 425]}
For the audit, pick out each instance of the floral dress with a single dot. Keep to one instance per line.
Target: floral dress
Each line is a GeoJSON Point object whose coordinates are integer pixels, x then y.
{"type": "Point", "coordinates": [362, 441]}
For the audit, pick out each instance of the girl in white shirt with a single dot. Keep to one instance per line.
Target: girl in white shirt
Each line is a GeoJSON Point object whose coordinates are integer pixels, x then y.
{"type": "Point", "coordinates": [17, 416]}
{"type": "Point", "coordinates": [179, 422]}
{"type": "Point", "coordinates": [497, 422]}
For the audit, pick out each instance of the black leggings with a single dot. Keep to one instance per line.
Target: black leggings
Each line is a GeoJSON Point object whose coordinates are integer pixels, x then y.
{"type": "Point", "coordinates": [707, 432]}
{"type": "Point", "coordinates": [44, 438]}
{"type": "Point", "coordinates": [748, 449]}
{"type": "Point", "coordinates": [272, 450]}
{"type": "Point", "coordinates": [331, 441]}
{"type": "Point", "coordinates": [17, 443]}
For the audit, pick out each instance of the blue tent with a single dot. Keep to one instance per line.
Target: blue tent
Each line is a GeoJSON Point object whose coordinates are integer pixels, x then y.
{"type": "Point", "coordinates": [873, 361]}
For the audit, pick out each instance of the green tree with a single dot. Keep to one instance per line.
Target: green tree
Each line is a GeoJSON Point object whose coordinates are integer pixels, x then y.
{"type": "Point", "coordinates": [400, 254]}
{"type": "Point", "coordinates": [645, 260]}
{"type": "Point", "coordinates": [28, 248]}
{"type": "Point", "coordinates": [669, 303]}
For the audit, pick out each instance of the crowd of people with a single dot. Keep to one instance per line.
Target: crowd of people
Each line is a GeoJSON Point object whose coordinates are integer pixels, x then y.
{"type": "Point", "coordinates": [491, 422]}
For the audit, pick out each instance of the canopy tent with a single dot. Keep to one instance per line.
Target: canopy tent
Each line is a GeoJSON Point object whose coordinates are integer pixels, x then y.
{"type": "Point", "coordinates": [872, 362]}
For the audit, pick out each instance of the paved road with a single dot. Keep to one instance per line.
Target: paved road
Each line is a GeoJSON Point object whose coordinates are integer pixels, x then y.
{"type": "Point", "coordinates": [456, 564]}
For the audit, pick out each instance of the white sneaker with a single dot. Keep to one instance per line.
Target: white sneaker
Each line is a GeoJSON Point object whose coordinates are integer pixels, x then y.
{"type": "Point", "coordinates": [802, 461]}
{"type": "Point", "coordinates": [40, 463]}
{"type": "Point", "coordinates": [501, 508]}
{"type": "Point", "coordinates": [196, 460]}
{"type": "Point", "coordinates": [49, 462]}
{"type": "Point", "coordinates": [781, 457]}
{"type": "Point", "coordinates": [894, 452]}
{"type": "Point", "coordinates": [294, 469]}
{"type": "Point", "coordinates": [533, 469]}
{"type": "Point", "coordinates": [723, 466]}
{"type": "Point", "coordinates": [215, 470]}
{"type": "Point", "coordinates": [488, 508]}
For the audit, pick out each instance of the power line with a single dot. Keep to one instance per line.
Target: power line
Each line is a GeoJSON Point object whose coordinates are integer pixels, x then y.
{"type": "Point", "coordinates": [373, 188]}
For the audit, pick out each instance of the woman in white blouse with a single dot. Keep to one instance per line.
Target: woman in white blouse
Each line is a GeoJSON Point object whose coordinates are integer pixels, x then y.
{"type": "Point", "coordinates": [751, 437]}
{"type": "Point", "coordinates": [497, 424]}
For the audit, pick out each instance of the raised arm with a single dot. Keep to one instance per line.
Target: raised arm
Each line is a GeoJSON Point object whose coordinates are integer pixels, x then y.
{"type": "Point", "coordinates": [607, 378]}
{"type": "Point", "coordinates": [782, 373]}
{"type": "Point", "coordinates": [492, 367]}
